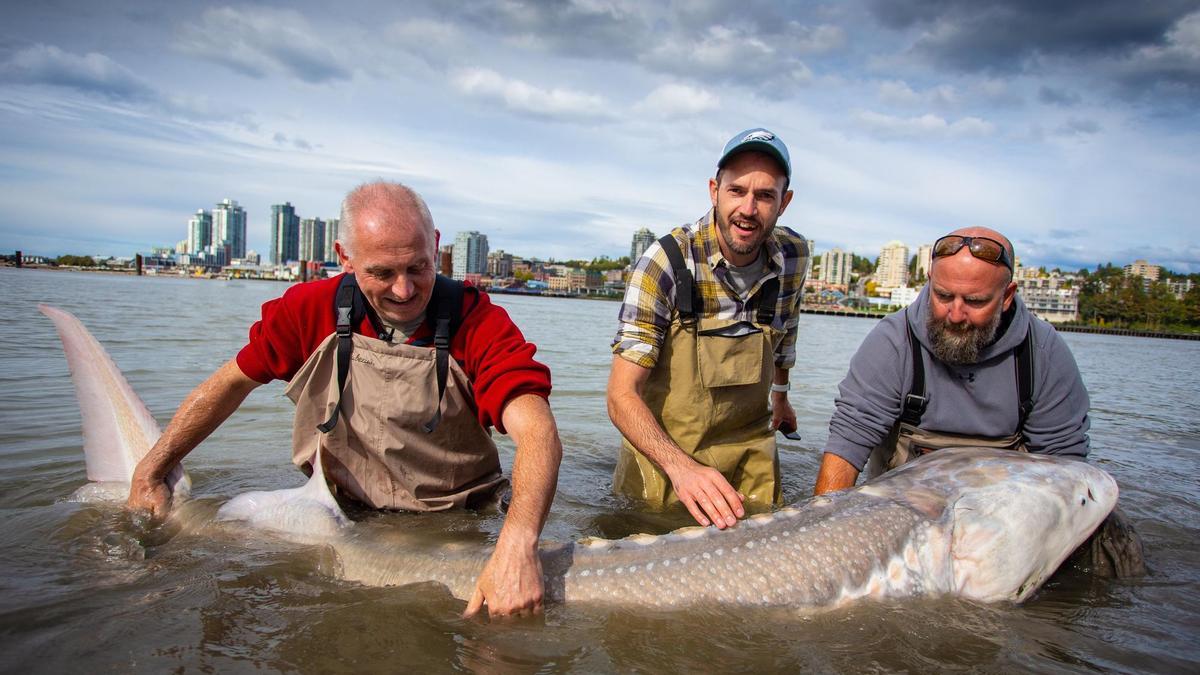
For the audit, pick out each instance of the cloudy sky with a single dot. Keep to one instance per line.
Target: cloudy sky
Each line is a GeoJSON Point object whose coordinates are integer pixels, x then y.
{"type": "Point", "coordinates": [559, 128]}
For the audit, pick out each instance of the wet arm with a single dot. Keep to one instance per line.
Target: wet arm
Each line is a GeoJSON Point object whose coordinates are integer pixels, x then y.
{"type": "Point", "coordinates": [703, 490]}
{"type": "Point", "coordinates": [204, 409]}
{"type": "Point", "coordinates": [835, 474]}
{"type": "Point", "coordinates": [511, 582]}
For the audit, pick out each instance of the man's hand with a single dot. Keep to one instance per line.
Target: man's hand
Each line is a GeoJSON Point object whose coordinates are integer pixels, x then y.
{"type": "Point", "coordinates": [782, 413]}
{"type": "Point", "coordinates": [149, 495]}
{"type": "Point", "coordinates": [706, 494]}
{"type": "Point", "coordinates": [510, 584]}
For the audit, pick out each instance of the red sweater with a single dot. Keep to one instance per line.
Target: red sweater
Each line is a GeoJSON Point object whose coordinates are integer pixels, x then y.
{"type": "Point", "coordinates": [488, 345]}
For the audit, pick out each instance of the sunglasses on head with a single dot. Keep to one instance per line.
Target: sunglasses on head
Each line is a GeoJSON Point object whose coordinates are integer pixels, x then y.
{"type": "Point", "coordinates": [981, 247]}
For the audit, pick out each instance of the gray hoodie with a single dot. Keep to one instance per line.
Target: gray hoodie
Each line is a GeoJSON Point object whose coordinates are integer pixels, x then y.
{"type": "Point", "coordinates": [978, 400]}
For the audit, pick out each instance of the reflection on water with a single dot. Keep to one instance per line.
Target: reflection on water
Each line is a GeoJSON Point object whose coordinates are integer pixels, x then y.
{"type": "Point", "coordinates": [85, 584]}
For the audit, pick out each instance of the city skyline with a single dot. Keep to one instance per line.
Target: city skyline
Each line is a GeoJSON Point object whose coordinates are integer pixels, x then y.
{"type": "Point", "coordinates": [561, 128]}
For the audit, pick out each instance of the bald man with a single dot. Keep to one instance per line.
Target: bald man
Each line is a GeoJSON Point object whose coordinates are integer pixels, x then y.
{"type": "Point", "coordinates": [396, 374]}
{"type": "Point", "coordinates": [969, 335]}
{"type": "Point", "coordinates": [966, 365]}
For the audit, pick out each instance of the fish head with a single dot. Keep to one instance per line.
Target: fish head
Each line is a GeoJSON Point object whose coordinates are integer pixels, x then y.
{"type": "Point", "coordinates": [1020, 518]}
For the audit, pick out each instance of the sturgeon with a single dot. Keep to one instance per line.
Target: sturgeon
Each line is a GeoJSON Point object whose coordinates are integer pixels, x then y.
{"type": "Point", "coordinates": [983, 524]}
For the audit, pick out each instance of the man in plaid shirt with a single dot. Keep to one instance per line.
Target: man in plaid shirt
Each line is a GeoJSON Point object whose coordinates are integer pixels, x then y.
{"type": "Point", "coordinates": [708, 328]}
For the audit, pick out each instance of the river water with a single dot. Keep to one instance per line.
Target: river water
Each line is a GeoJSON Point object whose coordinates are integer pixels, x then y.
{"type": "Point", "coordinates": [89, 588]}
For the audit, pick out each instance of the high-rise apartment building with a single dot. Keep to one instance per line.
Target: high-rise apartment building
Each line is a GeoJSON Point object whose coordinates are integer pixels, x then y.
{"type": "Point", "coordinates": [199, 232]}
{"type": "Point", "coordinates": [500, 264]}
{"type": "Point", "coordinates": [892, 271]}
{"type": "Point", "coordinates": [470, 254]}
{"type": "Point", "coordinates": [641, 241]}
{"type": "Point", "coordinates": [229, 227]}
{"type": "Point", "coordinates": [331, 235]}
{"type": "Point", "coordinates": [835, 266]}
{"type": "Point", "coordinates": [312, 239]}
{"type": "Point", "coordinates": [924, 260]}
{"type": "Point", "coordinates": [285, 233]}
{"type": "Point", "coordinates": [1141, 268]}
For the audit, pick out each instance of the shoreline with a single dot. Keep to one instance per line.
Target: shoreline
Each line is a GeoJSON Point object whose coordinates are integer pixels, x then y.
{"type": "Point", "coordinates": [804, 309]}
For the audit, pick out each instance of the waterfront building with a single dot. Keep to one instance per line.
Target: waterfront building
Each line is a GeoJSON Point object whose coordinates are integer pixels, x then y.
{"type": "Point", "coordinates": [892, 271]}
{"type": "Point", "coordinates": [199, 231]}
{"type": "Point", "coordinates": [1180, 287]}
{"type": "Point", "coordinates": [470, 254]}
{"type": "Point", "coordinates": [924, 260]}
{"type": "Point", "coordinates": [229, 226]}
{"type": "Point", "coordinates": [812, 258]}
{"type": "Point", "coordinates": [904, 296]}
{"type": "Point", "coordinates": [446, 260]}
{"type": "Point", "coordinates": [1141, 268]}
{"type": "Point", "coordinates": [285, 233]}
{"type": "Point", "coordinates": [835, 267]}
{"type": "Point", "coordinates": [641, 241]}
{"type": "Point", "coordinates": [329, 254]}
{"type": "Point", "coordinates": [500, 264]}
{"type": "Point", "coordinates": [312, 239]}
{"type": "Point", "coordinates": [1049, 297]}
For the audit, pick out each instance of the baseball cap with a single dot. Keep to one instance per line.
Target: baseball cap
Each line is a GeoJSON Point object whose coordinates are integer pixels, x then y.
{"type": "Point", "coordinates": [758, 140]}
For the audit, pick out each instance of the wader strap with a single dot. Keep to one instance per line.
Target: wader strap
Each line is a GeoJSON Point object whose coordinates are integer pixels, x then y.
{"type": "Point", "coordinates": [446, 315]}
{"type": "Point", "coordinates": [685, 284]}
{"type": "Point", "coordinates": [768, 297]}
{"type": "Point", "coordinates": [914, 401]}
{"type": "Point", "coordinates": [349, 307]}
{"type": "Point", "coordinates": [1024, 359]}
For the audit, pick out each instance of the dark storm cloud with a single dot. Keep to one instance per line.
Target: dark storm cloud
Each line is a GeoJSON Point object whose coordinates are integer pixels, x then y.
{"type": "Point", "coordinates": [1001, 35]}
{"type": "Point", "coordinates": [1142, 48]}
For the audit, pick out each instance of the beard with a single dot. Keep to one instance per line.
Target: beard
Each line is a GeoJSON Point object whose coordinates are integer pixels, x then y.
{"type": "Point", "coordinates": [725, 226]}
{"type": "Point", "coordinates": [960, 344]}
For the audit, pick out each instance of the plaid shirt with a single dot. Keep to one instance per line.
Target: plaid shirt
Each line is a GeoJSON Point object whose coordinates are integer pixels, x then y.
{"type": "Point", "coordinates": [649, 304]}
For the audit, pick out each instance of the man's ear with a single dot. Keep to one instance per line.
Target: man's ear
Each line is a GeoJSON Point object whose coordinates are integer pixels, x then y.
{"type": "Point", "coordinates": [1010, 292]}
{"type": "Point", "coordinates": [343, 258]}
{"type": "Point", "coordinates": [784, 201]}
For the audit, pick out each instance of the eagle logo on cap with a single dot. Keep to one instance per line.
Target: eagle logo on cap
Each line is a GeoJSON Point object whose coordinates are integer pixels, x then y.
{"type": "Point", "coordinates": [759, 136]}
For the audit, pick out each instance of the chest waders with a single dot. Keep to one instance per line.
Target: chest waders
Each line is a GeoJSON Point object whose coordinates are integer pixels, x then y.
{"type": "Point", "coordinates": [709, 390]}
{"type": "Point", "coordinates": [396, 421]}
{"type": "Point", "coordinates": [1114, 549]}
{"type": "Point", "coordinates": [907, 441]}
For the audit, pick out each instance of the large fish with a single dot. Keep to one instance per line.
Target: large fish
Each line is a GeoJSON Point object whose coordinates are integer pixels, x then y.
{"type": "Point", "coordinates": [984, 524]}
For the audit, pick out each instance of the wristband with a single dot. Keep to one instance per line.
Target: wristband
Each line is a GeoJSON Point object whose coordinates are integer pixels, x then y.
{"type": "Point", "coordinates": [780, 388]}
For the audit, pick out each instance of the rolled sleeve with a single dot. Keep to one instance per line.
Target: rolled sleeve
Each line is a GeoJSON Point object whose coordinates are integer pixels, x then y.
{"type": "Point", "coordinates": [646, 311]}
{"type": "Point", "coordinates": [785, 353]}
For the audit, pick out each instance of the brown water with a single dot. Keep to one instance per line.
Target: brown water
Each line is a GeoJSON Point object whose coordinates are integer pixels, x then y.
{"type": "Point", "coordinates": [85, 588]}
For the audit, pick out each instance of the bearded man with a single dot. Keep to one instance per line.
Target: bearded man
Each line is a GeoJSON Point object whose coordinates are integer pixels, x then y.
{"type": "Point", "coordinates": [966, 364]}
{"type": "Point", "coordinates": [708, 332]}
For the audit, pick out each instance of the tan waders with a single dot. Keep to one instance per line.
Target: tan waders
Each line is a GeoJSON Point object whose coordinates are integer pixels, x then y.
{"type": "Point", "coordinates": [708, 390]}
{"type": "Point", "coordinates": [379, 453]}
